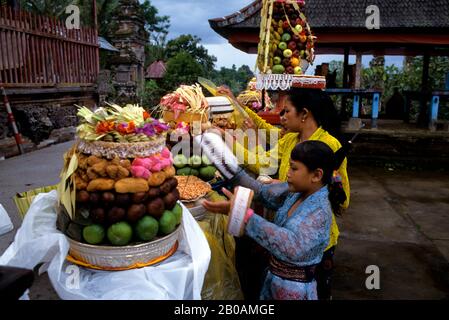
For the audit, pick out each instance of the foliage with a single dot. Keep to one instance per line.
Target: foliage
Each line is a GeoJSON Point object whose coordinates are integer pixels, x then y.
{"type": "Point", "coordinates": [157, 26]}
{"type": "Point", "coordinates": [235, 79]}
{"type": "Point", "coordinates": [191, 44]}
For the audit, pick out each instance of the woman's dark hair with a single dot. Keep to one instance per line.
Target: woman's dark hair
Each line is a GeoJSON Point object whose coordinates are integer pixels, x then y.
{"type": "Point", "coordinates": [318, 155]}
{"type": "Point", "coordinates": [320, 105]}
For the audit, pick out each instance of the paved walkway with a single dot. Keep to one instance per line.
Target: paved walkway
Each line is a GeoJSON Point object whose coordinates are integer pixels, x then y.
{"type": "Point", "coordinates": [398, 221]}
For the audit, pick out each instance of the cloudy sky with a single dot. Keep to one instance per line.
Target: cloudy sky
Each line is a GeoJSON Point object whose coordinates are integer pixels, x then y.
{"type": "Point", "coordinates": [191, 17]}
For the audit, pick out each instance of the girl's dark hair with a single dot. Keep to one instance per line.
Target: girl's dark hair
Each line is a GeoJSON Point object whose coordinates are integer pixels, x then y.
{"type": "Point", "coordinates": [320, 105]}
{"type": "Point", "coordinates": [318, 155]}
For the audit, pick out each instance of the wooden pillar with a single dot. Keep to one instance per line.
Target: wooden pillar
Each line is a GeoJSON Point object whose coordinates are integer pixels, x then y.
{"type": "Point", "coordinates": [358, 70]}
{"type": "Point", "coordinates": [422, 117]}
{"type": "Point", "coordinates": [345, 68]}
{"type": "Point", "coordinates": [343, 112]}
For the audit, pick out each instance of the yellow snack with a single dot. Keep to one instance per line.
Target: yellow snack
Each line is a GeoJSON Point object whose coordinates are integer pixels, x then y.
{"type": "Point", "coordinates": [170, 172]}
{"type": "Point", "coordinates": [156, 179]}
{"type": "Point", "coordinates": [80, 184]}
{"type": "Point", "coordinates": [131, 185]}
{"type": "Point", "coordinates": [101, 184]}
{"type": "Point", "coordinates": [92, 160]}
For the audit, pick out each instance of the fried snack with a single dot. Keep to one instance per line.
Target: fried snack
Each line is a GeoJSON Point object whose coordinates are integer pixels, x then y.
{"type": "Point", "coordinates": [82, 162]}
{"type": "Point", "coordinates": [92, 174]}
{"type": "Point", "coordinates": [80, 183]}
{"type": "Point", "coordinates": [170, 172]}
{"type": "Point", "coordinates": [156, 179]}
{"type": "Point", "coordinates": [100, 168]}
{"type": "Point", "coordinates": [101, 184]}
{"type": "Point", "coordinates": [126, 164]}
{"type": "Point", "coordinates": [131, 185]}
{"type": "Point", "coordinates": [116, 172]}
{"type": "Point", "coordinates": [191, 187]}
{"type": "Point", "coordinates": [92, 160]}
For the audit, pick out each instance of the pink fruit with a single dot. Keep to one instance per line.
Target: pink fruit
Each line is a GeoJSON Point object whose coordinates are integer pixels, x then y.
{"type": "Point", "coordinates": [166, 153]}
{"type": "Point", "coordinates": [156, 167]}
{"type": "Point", "coordinates": [140, 172]}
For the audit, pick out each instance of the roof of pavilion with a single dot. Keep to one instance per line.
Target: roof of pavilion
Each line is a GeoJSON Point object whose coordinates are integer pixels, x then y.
{"type": "Point", "coordinates": [428, 17]}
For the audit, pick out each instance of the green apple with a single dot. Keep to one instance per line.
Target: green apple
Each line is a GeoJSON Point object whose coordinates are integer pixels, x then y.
{"type": "Point", "coordinates": [277, 60]}
{"type": "Point", "coordinates": [288, 53]}
{"type": "Point", "coordinates": [286, 37]}
{"type": "Point", "coordinates": [297, 70]}
{"type": "Point", "coordinates": [298, 28]}
{"type": "Point", "coordinates": [302, 54]}
{"type": "Point", "coordinates": [279, 68]}
{"type": "Point", "coordinates": [282, 45]}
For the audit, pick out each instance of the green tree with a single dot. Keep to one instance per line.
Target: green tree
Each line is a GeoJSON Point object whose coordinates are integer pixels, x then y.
{"type": "Point", "coordinates": [235, 79]}
{"type": "Point", "coordinates": [191, 45]}
{"type": "Point", "coordinates": [157, 26]}
{"type": "Point", "coordinates": [181, 69]}
{"type": "Point", "coordinates": [47, 7]}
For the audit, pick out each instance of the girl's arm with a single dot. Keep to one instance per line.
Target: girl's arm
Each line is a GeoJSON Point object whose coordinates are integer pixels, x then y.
{"type": "Point", "coordinates": [271, 196]}
{"type": "Point", "coordinates": [299, 241]}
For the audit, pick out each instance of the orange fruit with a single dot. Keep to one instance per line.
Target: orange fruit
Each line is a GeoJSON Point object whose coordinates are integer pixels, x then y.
{"type": "Point", "coordinates": [294, 62]}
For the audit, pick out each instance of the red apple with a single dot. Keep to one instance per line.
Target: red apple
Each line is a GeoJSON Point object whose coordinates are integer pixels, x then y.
{"type": "Point", "coordinates": [292, 45]}
{"type": "Point", "coordinates": [296, 53]}
{"type": "Point", "coordinates": [290, 70]}
{"type": "Point", "coordinates": [285, 25]}
{"type": "Point", "coordinates": [295, 37]}
{"type": "Point", "coordinates": [286, 62]}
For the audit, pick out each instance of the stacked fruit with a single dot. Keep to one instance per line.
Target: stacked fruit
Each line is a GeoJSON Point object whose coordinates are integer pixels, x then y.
{"type": "Point", "coordinates": [116, 188]}
{"type": "Point", "coordinates": [199, 166]}
{"type": "Point", "coordinates": [123, 199]}
{"type": "Point", "coordinates": [290, 39]}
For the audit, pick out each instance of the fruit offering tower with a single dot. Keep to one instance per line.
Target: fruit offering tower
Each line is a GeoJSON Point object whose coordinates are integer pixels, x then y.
{"type": "Point", "coordinates": [118, 188]}
{"type": "Point", "coordinates": [286, 47]}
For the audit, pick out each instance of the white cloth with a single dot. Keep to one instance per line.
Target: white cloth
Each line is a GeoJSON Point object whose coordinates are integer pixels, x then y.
{"type": "Point", "coordinates": [180, 277]}
{"type": "Point", "coordinates": [5, 222]}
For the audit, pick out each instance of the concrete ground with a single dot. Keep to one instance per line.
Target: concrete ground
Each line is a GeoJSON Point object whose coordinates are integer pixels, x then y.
{"type": "Point", "coordinates": [397, 221]}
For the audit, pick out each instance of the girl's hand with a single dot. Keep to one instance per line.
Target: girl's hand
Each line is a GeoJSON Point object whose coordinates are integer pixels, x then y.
{"type": "Point", "coordinates": [222, 207]}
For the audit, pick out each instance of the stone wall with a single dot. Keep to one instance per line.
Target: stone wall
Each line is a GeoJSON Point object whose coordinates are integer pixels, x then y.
{"type": "Point", "coordinates": [50, 119]}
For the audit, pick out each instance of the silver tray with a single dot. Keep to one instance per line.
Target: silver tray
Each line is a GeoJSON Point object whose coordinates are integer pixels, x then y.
{"type": "Point", "coordinates": [196, 208]}
{"type": "Point", "coordinates": [119, 258]}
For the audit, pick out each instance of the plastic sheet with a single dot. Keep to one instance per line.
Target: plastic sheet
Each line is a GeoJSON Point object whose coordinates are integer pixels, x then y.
{"type": "Point", "coordinates": [5, 222]}
{"type": "Point", "coordinates": [222, 281]}
{"type": "Point", "coordinates": [179, 277]}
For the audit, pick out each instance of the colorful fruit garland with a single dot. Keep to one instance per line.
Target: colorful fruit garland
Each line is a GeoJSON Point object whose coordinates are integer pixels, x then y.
{"type": "Point", "coordinates": [116, 124]}
{"type": "Point", "coordinates": [185, 99]}
{"type": "Point", "coordinates": [285, 38]}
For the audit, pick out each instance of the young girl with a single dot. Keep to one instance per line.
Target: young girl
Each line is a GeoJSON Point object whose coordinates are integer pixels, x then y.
{"type": "Point", "coordinates": [300, 232]}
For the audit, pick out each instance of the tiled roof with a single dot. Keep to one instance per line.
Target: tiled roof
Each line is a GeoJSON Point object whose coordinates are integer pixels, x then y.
{"type": "Point", "coordinates": [352, 14]}
{"type": "Point", "coordinates": [156, 70]}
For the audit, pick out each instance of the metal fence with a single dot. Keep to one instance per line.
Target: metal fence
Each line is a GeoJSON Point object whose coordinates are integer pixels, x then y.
{"type": "Point", "coordinates": [39, 51]}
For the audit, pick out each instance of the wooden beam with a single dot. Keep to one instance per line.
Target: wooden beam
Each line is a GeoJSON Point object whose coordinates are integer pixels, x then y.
{"type": "Point", "coordinates": [345, 68]}
{"type": "Point", "coordinates": [358, 70]}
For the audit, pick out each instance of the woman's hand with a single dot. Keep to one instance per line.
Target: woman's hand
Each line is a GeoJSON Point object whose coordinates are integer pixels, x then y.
{"type": "Point", "coordinates": [222, 207]}
{"type": "Point", "coordinates": [225, 91]}
{"type": "Point", "coordinates": [248, 124]}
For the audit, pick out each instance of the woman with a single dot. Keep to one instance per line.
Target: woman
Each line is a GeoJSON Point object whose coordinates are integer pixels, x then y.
{"type": "Point", "coordinates": [300, 232]}
{"type": "Point", "coordinates": [309, 115]}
